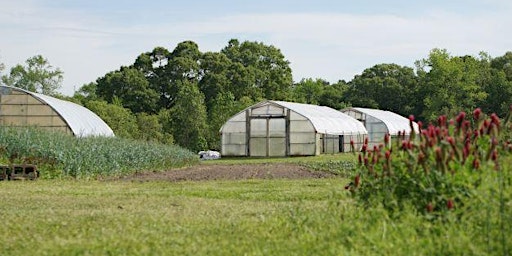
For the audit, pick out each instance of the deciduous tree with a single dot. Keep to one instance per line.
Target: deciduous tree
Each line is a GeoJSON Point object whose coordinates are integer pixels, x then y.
{"type": "Point", "coordinates": [36, 76]}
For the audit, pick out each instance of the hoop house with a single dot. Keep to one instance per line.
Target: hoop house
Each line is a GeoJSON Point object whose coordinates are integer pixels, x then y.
{"type": "Point", "coordinates": [21, 108]}
{"type": "Point", "coordinates": [278, 128]}
{"type": "Point", "coordinates": [379, 122]}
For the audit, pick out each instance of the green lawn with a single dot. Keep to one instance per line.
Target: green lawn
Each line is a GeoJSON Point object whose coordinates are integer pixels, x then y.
{"type": "Point", "coordinates": [253, 217]}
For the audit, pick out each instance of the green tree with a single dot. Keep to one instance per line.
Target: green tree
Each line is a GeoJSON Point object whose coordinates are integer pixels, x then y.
{"type": "Point", "coordinates": [37, 76]}
{"type": "Point", "coordinates": [265, 66]}
{"type": "Point", "coordinates": [86, 93]}
{"type": "Point", "coordinates": [450, 84]}
{"type": "Point", "coordinates": [188, 117]}
{"type": "Point", "coordinates": [334, 95]}
{"type": "Point", "coordinates": [153, 65]}
{"type": "Point", "coordinates": [384, 86]}
{"type": "Point", "coordinates": [308, 90]}
{"type": "Point", "coordinates": [499, 88]}
{"type": "Point", "coordinates": [2, 67]}
{"type": "Point", "coordinates": [182, 65]}
{"type": "Point", "coordinates": [121, 120]}
{"type": "Point", "coordinates": [131, 87]}
{"type": "Point", "coordinates": [150, 128]}
{"type": "Point", "coordinates": [214, 76]}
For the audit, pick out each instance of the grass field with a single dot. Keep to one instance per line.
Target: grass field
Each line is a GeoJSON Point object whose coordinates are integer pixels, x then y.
{"type": "Point", "coordinates": [252, 217]}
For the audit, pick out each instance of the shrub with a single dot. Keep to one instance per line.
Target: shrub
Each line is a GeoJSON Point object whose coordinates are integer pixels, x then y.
{"type": "Point", "coordinates": [437, 170]}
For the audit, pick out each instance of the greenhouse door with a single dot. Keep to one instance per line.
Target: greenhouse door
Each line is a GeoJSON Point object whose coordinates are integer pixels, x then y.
{"type": "Point", "coordinates": [267, 137]}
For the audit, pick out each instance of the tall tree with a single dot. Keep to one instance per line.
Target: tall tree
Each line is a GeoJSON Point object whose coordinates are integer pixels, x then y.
{"type": "Point", "coordinates": [130, 86]}
{"type": "Point", "coordinates": [153, 65]}
{"type": "Point", "coordinates": [308, 90]}
{"type": "Point", "coordinates": [334, 95]}
{"type": "Point", "coordinates": [385, 86]}
{"type": "Point", "coordinates": [188, 117]}
{"type": "Point", "coordinates": [183, 65]}
{"type": "Point", "coordinates": [36, 76]}
{"type": "Point", "coordinates": [449, 84]}
{"type": "Point", "coordinates": [214, 76]}
{"type": "Point", "coordinates": [499, 88]}
{"type": "Point", "coordinates": [269, 70]}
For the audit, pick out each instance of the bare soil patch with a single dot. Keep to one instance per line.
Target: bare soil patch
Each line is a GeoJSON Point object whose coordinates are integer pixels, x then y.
{"type": "Point", "coordinates": [203, 172]}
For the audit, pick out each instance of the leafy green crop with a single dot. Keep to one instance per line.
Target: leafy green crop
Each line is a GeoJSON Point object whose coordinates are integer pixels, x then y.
{"type": "Point", "coordinates": [61, 155]}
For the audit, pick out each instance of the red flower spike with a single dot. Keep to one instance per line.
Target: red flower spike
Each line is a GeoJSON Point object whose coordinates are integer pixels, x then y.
{"type": "Point", "coordinates": [495, 119]}
{"type": "Point", "coordinates": [476, 164]}
{"type": "Point", "coordinates": [450, 204]}
{"type": "Point", "coordinates": [386, 138]}
{"type": "Point", "coordinates": [451, 141]}
{"type": "Point", "coordinates": [441, 121]}
{"type": "Point", "coordinates": [429, 207]}
{"type": "Point", "coordinates": [487, 123]}
{"type": "Point", "coordinates": [357, 180]}
{"type": "Point", "coordinates": [360, 159]}
{"type": "Point", "coordinates": [494, 155]}
{"type": "Point", "coordinates": [404, 145]}
{"type": "Point", "coordinates": [460, 118]}
{"type": "Point", "coordinates": [411, 118]}
{"type": "Point", "coordinates": [477, 113]}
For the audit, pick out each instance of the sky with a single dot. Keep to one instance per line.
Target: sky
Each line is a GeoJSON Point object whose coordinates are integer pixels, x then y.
{"type": "Point", "coordinates": [327, 39]}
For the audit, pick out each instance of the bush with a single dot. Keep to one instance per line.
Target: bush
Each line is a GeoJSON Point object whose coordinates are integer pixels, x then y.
{"type": "Point", "coordinates": [437, 170]}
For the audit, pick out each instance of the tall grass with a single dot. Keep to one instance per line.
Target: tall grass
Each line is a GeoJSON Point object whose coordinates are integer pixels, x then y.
{"type": "Point", "coordinates": [61, 155]}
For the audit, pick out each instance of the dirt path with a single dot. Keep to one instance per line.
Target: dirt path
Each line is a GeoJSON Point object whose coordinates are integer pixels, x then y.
{"type": "Point", "coordinates": [203, 172]}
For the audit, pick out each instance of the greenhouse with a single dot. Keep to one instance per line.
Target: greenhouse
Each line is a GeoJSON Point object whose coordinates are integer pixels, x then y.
{"type": "Point", "coordinates": [21, 108]}
{"type": "Point", "coordinates": [378, 123]}
{"type": "Point", "coordinates": [278, 128]}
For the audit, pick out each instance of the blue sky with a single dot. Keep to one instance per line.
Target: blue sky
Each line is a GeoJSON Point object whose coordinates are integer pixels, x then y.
{"type": "Point", "coordinates": [332, 40]}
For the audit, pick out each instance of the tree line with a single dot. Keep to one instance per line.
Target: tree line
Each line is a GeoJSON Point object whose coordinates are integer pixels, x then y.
{"type": "Point", "coordinates": [184, 96]}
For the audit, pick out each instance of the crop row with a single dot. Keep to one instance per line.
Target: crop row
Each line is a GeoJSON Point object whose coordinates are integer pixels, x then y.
{"type": "Point", "coordinates": [61, 155]}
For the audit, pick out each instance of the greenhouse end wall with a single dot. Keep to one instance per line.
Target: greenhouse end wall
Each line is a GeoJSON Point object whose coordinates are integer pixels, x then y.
{"type": "Point", "coordinates": [270, 130]}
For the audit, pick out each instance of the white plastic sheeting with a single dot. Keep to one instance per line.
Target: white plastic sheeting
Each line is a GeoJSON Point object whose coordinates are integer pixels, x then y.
{"type": "Point", "coordinates": [394, 122]}
{"type": "Point", "coordinates": [279, 128]}
{"type": "Point", "coordinates": [326, 120]}
{"type": "Point", "coordinates": [81, 121]}
{"type": "Point", "coordinates": [380, 122]}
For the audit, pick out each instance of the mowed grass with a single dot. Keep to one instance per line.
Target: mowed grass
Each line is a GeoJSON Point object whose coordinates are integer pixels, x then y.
{"type": "Point", "coordinates": [155, 218]}
{"type": "Point", "coordinates": [252, 217]}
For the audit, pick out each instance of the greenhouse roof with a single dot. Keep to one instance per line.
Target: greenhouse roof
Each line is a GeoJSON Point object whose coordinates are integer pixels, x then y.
{"type": "Point", "coordinates": [394, 122]}
{"type": "Point", "coordinates": [325, 119]}
{"type": "Point", "coordinates": [82, 121]}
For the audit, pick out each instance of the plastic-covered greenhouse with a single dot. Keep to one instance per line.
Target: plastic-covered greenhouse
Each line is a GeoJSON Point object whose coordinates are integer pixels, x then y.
{"type": "Point", "coordinates": [278, 128]}
{"type": "Point", "coordinates": [19, 107]}
{"type": "Point", "coordinates": [379, 122]}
